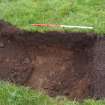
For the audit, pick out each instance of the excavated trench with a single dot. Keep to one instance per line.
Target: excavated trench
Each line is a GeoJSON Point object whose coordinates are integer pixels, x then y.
{"type": "Point", "coordinates": [61, 64]}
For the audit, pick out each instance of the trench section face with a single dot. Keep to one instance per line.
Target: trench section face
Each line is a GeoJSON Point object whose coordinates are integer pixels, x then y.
{"type": "Point", "coordinates": [57, 63]}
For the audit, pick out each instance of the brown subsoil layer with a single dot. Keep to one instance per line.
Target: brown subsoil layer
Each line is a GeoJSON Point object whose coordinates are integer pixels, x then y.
{"type": "Point", "coordinates": [61, 64]}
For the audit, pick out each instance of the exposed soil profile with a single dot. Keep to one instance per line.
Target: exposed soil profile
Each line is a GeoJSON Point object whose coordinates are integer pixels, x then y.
{"type": "Point", "coordinates": [65, 64]}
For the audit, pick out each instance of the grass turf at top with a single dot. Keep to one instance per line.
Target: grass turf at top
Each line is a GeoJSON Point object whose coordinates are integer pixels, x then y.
{"type": "Point", "coordinates": [23, 13]}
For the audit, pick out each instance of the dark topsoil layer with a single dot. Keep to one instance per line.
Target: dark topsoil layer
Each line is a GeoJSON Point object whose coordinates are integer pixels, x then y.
{"type": "Point", "coordinates": [68, 64]}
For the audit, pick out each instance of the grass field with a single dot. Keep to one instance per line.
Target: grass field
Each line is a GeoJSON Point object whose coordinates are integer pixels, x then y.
{"type": "Point", "coordinates": [13, 95]}
{"type": "Point", "coordinates": [23, 13]}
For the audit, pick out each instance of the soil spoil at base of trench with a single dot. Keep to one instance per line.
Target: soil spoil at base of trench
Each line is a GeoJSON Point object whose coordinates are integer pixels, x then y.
{"type": "Point", "coordinates": [61, 64]}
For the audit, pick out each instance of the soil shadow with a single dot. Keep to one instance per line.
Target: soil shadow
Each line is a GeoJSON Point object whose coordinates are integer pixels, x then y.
{"type": "Point", "coordinates": [61, 64]}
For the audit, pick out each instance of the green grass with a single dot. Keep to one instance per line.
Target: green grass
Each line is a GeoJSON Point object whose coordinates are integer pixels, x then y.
{"type": "Point", "coordinates": [11, 94]}
{"type": "Point", "coordinates": [23, 13]}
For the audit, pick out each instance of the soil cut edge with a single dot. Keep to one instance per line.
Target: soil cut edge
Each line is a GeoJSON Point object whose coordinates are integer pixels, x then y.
{"type": "Point", "coordinates": [68, 64]}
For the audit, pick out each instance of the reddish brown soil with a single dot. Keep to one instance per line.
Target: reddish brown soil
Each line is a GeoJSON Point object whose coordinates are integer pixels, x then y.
{"type": "Point", "coordinates": [68, 64]}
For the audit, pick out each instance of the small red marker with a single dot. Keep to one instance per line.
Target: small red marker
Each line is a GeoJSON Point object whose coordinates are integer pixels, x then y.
{"type": "Point", "coordinates": [46, 25]}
